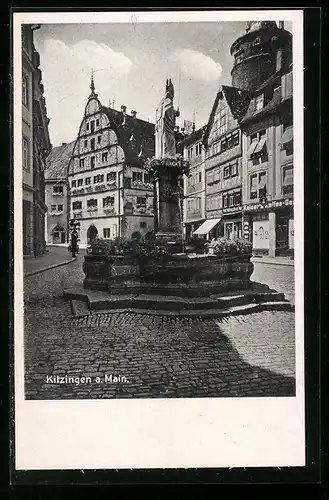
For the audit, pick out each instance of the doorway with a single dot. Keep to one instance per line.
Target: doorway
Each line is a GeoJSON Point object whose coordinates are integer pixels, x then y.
{"type": "Point", "coordinates": [91, 234]}
{"type": "Point", "coordinates": [59, 235]}
{"type": "Point", "coordinates": [282, 234]}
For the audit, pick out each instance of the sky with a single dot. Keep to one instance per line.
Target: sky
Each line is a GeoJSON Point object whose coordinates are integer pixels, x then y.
{"type": "Point", "coordinates": [131, 63]}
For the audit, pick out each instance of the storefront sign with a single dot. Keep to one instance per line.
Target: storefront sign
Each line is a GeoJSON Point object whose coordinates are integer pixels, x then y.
{"type": "Point", "coordinates": [261, 238]}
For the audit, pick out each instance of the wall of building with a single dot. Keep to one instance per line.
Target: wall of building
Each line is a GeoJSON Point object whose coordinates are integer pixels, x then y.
{"type": "Point", "coordinates": [56, 217]}
{"type": "Point", "coordinates": [194, 206]}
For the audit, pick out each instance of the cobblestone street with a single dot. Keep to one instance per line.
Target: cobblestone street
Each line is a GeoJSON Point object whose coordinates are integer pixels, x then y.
{"type": "Point", "coordinates": [150, 356]}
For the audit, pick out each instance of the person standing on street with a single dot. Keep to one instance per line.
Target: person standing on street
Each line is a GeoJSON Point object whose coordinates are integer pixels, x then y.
{"type": "Point", "coordinates": [74, 242]}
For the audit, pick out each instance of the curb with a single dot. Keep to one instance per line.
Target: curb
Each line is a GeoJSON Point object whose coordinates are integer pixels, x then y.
{"type": "Point", "coordinates": [53, 266]}
{"type": "Point", "coordinates": [273, 263]}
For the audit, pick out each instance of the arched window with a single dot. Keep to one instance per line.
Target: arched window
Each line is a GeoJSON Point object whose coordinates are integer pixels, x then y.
{"type": "Point", "coordinates": [59, 235]}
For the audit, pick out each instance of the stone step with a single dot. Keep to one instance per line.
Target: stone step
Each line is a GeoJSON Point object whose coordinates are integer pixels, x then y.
{"type": "Point", "coordinates": [111, 302]}
{"type": "Point", "coordinates": [283, 305]}
{"type": "Point", "coordinates": [249, 298]}
{"type": "Point", "coordinates": [159, 302]}
{"type": "Point", "coordinates": [79, 308]}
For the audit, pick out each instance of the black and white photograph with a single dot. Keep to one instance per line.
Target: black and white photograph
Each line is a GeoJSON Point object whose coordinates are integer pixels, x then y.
{"type": "Point", "coordinates": [159, 170]}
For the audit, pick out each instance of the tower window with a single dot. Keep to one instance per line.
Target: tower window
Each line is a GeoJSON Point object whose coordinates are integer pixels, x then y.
{"type": "Point", "coordinates": [257, 41]}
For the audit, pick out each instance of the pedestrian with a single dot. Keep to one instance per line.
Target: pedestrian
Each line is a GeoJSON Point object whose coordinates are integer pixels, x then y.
{"type": "Point", "coordinates": [74, 242]}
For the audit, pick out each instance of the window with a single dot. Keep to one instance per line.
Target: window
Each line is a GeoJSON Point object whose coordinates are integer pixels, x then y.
{"type": "Point", "coordinates": [225, 201]}
{"type": "Point", "coordinates": [210, 177]}
{"type": "Point", "coordinates": [106, 232]}
{"type": "Point", "coordinates": [25, 90]}
{"type": "Point", "coordinates": [216, 175]}
{"type": "Point", "coordinates": [227, 172]}
{"type": "Point", "coordinates": [236, 138]}
{"type": "Point", "coordinates": [229, 140]}
{"type": "Point", "coordinates": [146, 178]}
{"type": "Point", "coordinates": [92, 144]}
{"type": "Point", "coordinates": [97, 122]}
{"type": "Point", "coordinates": [232, 199]}
{"type": "Point", "coordinates": [80, 182]}
{"type": "Point", "coordinates": [200, 177]}
{"type": "Point", "coordinates": [87, 180]}
{"type": "Point", "coordinates": [81, 163]}
{"type": "Point", "coordinates": [58, 189]}
{"type": "Point", "coordinates": [259, 101]}
{"type": "Point", "coordinates": [77, 205]}
{"type": "Point", "coordinates": [92, 161]}
{"type": "Point", "coordinates": [53, 208]}
{"type": "Point", "coordinates": [257, 41]}
{"type": "Point", "coordinates": [198, 149]}
{"type": "Point", "coordinates": [108, 201]}
{"type": "Point", "coordinates": [141, 202]}
{"type": "Point", "coordinates": [237, 198]}
{"type": "Point", "coordinates": [98, 178]}
{"type": "Point", "coordinates": [234, 170]}
{"type": "Point", "coordinates": [143, 224]}
{"type": "Point", "coordinates": [60, 208]}
{"type": "Point", "coordinates": [257, 148]}
{"type": "Point", "coordinates": [26, 154]}
{"type": "Point", "coordinates": [223, 145]}
{"type": "Point", "coordinates": [87, 125]}
{"type": "Point", "coordinates": [104, 156]}
{"type": "Point", "coordinates": [253, 187]}
{"type": "Point", "coordinates": [92, 126]}
{"type": "Point", "coordinates": [74, 184]}
{"type": "Point", "coordinates": [92, 203]}
{"type": "Point", "coordinates": [99, 138]}
{"type": "Point", "coordinates": [86, 143]}
{"type": "Point", "coordinates": [137, 176]}
{"type": "Point", "coordinates": [111, 176]}
{"type": "Point", "coordinates": [287, 180]}
{"type": "Point", "coordinates": [257, 185]}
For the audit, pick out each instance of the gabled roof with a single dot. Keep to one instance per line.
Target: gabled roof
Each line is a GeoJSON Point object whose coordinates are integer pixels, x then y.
{"type": "Point", "coordinates": [135, 136]}
{"type": "Point", "coordinates": [58, 160]}
{"type": "Point", "coordinates": [238, 102]}
{"type": "Point", "coordinates": [190, 139]}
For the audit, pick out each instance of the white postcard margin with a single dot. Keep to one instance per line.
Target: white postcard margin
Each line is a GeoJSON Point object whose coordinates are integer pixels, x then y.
{"type": "Point", "coordinates": [160, 433]}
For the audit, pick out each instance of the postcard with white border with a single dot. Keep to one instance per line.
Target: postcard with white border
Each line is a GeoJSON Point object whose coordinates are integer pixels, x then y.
{"type": "Point", "coordinates": [158, 254]}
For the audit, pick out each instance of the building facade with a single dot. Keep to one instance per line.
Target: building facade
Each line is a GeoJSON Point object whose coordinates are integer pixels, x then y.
{"type": "Point", "coordinates": [194, 207]}
{"type": "Point", "coordinates": [35, 146]}
{"type": "Point", "coordinates": [263, 67]}
{"type": "Point", "coordinates": [57, 227]}
{"type": "Point", "coordinates": [223, 169]}
{"type": "Point", "coordinates": [110, 192]}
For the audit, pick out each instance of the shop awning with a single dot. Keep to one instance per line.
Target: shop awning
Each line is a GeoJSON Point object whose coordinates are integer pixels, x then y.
{"type": "Point", "coordinates": [207, 226]}
{"type": "Point", "coordinates": [287, 136]}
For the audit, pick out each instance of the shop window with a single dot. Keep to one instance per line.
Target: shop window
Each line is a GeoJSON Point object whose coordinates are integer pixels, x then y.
{"type": "Point", "coordinates": [106, 233]}
{"type": "Point", "coordinates": [87, 180]}
{"type": "Point", "coordinates": [92, 161]}
{"type": "Point", "coordinates": [77, 205]}
{"type": "Point", "coordinates": [81, 163]}
{"type": "Point", "coordinates": [108, 201]}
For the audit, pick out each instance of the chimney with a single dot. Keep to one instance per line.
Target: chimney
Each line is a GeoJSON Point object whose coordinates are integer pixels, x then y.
{"type": "Point", "coordinates": [123, 109]}
{"type": "Point", "coordinates": [133, 113]}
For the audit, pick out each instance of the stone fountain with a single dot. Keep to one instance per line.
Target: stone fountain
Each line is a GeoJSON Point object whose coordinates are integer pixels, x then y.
{"type": "Point", "coordinates": [179, 284]}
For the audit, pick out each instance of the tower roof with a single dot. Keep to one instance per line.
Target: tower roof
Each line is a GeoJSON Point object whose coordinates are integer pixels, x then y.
{"type": "Point", "coordinates": [258, 25]}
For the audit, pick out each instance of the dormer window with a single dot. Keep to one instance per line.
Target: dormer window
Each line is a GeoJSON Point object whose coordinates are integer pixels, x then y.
{"type": "Point", "coordinates": [257, 41]}
{"type": "Point", "coordinates": [259, 102]}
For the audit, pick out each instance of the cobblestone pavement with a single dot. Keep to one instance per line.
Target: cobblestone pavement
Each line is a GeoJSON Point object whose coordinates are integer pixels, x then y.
{"type": "Point", "coordinates": [150, 356]}
{"type": "Point", "coordinates": [281, 278]}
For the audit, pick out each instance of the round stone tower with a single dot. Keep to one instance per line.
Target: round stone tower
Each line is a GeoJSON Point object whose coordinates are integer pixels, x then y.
{"type": "Point", "coordinates": [264, 49]}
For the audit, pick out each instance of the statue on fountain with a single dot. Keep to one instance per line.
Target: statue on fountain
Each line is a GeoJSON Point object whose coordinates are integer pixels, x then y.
{"type": "Point", "coordinates": [165, 123]}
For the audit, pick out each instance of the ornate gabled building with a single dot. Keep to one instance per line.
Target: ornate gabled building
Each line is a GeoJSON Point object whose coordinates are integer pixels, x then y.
{"type": "Point", "coordinates": [263, 68]}
{"type": "Point", "coordinates": [35, 146]}
{"type": "Point", "coordinates": [110, 192]}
